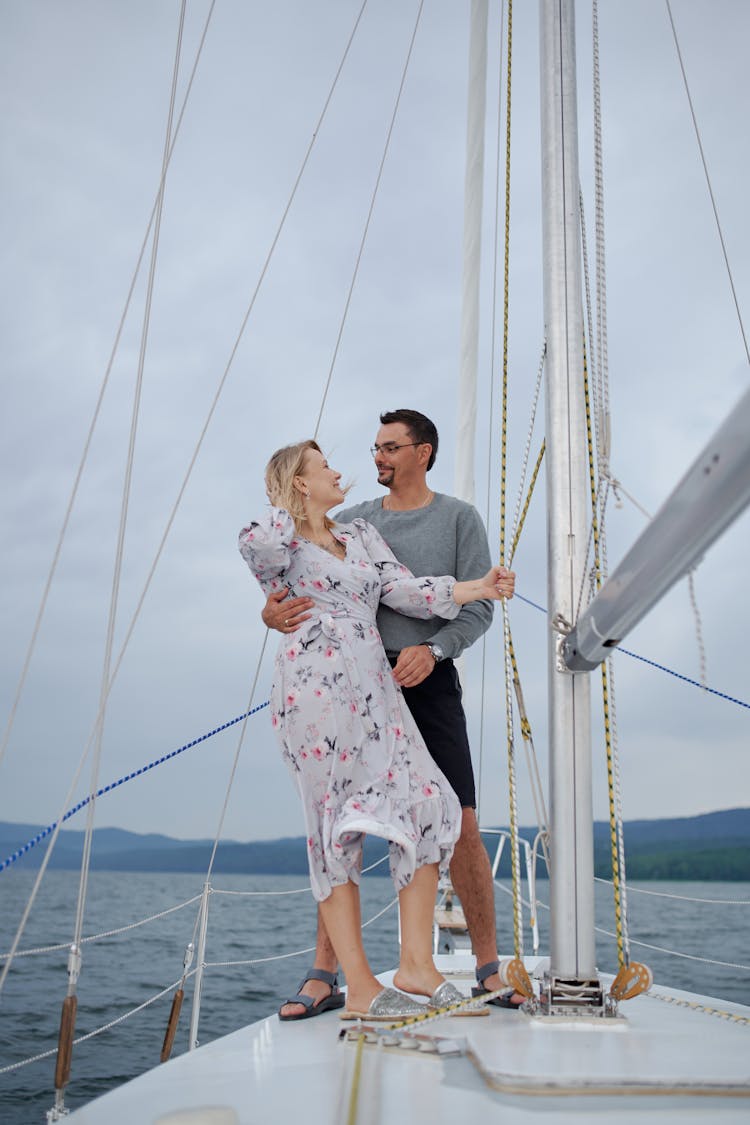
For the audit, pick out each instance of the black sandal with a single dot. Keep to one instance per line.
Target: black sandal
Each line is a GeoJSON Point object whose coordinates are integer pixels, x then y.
{"type": "Point", "coordinates": [505, 999]}
{"type": "Point", "coordinates": [327, 1004]}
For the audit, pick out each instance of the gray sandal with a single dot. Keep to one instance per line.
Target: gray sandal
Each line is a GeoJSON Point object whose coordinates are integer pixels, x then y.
{"type": "Point", "coordinates": [505, 1000]}
{"type": "Point", "coordinates": [327, 1004]}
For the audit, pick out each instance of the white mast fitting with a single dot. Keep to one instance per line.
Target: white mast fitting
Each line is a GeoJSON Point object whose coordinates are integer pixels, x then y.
{"type": "Point", "coordinates": [572, 944]}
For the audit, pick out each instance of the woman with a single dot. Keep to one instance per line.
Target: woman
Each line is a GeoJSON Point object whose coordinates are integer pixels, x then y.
{"type": "Point", "coordinates": [357, 757]}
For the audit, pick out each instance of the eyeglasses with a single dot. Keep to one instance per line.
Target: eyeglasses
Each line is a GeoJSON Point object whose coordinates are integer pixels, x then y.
{"type": "Point", "coordinates": [391, 447]}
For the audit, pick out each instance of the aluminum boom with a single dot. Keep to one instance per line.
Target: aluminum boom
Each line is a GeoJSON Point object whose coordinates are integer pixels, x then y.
{"type": "Point", "coordinates": [713, 492]}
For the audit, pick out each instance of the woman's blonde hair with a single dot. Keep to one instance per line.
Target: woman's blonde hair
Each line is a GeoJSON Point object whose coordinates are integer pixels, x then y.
{"type": "Point", "coordinates": [284, 466]}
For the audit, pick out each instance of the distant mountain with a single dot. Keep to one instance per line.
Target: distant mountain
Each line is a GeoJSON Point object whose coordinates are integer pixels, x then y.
{"type": "Point", "coordinates": [712, 846]}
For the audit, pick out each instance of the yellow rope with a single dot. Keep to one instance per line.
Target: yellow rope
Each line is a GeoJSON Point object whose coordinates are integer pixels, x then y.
{"type": "Point", "coordinates": [506, 287]}
{"type": "Point", "coordinates": [351, 1115]}
{"type": "Point", "coordinates": [525, 509]}
{"type": "Point", "coordinates": [731, 1017]}
{"type": "Point", "coordinates": [515, 866]}
{"type": "Point", "coordinates": [605, 683]}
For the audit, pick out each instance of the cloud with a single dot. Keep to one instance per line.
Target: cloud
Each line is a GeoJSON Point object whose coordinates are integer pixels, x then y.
{"type": "Point", "coordinates": [85, 92]}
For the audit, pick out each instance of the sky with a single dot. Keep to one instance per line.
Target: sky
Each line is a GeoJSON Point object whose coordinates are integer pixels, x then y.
{"type": "Point", "coordinates": [85, 90]}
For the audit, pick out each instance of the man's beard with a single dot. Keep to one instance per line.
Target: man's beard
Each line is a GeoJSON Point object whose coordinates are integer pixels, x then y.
{"type": "Point", "coordinates": [385, 477]}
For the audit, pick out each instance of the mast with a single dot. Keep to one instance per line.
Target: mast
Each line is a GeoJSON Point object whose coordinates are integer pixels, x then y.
{"type": "Point", "coordinates": [572, 946]}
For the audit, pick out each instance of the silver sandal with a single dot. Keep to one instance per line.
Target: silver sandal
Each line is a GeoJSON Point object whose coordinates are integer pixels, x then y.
{"type": "Point", "coordinates": [387, 1006]}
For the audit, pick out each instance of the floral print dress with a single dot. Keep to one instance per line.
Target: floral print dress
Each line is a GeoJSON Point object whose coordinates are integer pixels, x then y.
{"type": "Point", "coordinates": [356, 755]}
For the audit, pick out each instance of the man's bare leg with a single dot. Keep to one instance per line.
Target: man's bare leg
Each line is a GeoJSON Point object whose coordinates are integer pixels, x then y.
{"type": "Point", "coordinates": [471, 876]}
{"type": "Point", "coordinates": [325, 958]}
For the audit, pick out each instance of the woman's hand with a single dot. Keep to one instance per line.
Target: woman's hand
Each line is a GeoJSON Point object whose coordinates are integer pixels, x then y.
{"type": "Point", "coordinates": [497, 583]}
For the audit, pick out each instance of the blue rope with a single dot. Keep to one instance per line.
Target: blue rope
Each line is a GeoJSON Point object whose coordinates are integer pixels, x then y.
{"type": "Point", "coordinates": [121, 781]}
{"type": "Point", "coordinates": [654, 664]}
{"type": "Point", "coordinates": [144, 769]}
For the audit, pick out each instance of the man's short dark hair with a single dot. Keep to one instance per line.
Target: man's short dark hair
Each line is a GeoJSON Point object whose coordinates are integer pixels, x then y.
{"type": "Point", "coordinates": [419, 426]}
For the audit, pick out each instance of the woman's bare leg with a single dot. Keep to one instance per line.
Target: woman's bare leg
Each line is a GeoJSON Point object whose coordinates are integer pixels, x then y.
{"type": "Point", "coordinates": [343, 921]}
{"type": "Point", "coordinates": [416, 971]}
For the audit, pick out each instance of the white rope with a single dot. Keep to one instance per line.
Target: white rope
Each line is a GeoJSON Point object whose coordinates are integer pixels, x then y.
{"type": "Point", "coordinates": [698, 630]}
{"type": "Point", "coordinates": [105, 933]}
{"type": "Point", "coordinates": [587, 570]}
{"type": "Point", "coordinates": [258, 960]}
{"type": "Point", "coordinates": [601, 270]}
{"type": "Point", "coordinates": [367, 222]}
{"type": "Point", "coordinates": [708, 183]}
{"type": "Point", "coordinates": [537, 792]}
{"type": "Point", "coordinates": [643, 944]}
{"type": "Point", "coordinates": [676, 953]}
{"type": "Point", "coordinates": [682, 898]}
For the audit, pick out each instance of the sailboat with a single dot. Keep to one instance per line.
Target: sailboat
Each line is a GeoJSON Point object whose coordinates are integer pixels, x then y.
{"type": "Point", "coordinates": [579, 1048]}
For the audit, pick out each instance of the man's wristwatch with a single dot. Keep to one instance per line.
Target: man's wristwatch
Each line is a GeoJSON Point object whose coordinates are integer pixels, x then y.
{"type": "Point", "coordinates": [435, 651]}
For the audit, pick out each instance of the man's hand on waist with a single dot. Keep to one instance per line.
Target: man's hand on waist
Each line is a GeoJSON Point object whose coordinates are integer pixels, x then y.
{"type": "Point", "coordinates": [414, 665]}
{"type": "Point", "coordinates": [285, 614]}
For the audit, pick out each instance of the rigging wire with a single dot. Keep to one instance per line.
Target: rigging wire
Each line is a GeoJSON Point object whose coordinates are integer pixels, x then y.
{"type": "Point", "coordinates": [68, 1015]}
{"type": "Point", "coordinates": [683, 898]}
{"type": "Point", "coordinates": [368, 219]}
{"type": "Point", "coordinates": [183, 487]}
{"type": "Point", "coordinates": [125, 501]}
{"type": "Point", "coordinates": [708, 182]}
{"type": "Point", "coordinates": [323, 401]}
{"type": "Point", "coordinates": [95, 417]}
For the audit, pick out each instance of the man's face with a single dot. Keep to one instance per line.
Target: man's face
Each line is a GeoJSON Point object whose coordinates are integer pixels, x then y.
{"type": "Point", "coordinates": [396, 456]}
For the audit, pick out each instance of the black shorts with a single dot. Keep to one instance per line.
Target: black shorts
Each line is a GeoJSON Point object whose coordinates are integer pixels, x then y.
{"type": "Point", "coordinates": [439, 714]}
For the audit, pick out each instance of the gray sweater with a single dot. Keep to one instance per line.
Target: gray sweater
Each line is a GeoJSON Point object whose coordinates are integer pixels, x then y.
{"type": "Point", "coordinates": [446, 537]}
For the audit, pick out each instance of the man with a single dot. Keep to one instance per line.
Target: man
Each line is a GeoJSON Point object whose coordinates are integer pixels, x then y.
{"type": "Point", "coordinates": [431, 534]}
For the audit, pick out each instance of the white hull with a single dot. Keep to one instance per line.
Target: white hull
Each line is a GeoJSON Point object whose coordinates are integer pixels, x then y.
{"type": "Point", "coordinates": [654, 1060]}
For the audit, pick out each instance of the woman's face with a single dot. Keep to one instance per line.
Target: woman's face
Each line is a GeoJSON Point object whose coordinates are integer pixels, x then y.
{"type": "Point", "coordinates": [321, 480]}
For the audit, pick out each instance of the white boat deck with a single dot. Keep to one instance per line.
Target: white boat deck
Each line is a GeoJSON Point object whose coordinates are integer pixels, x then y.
{"type": "Point", "coordinates": [671, 1059]}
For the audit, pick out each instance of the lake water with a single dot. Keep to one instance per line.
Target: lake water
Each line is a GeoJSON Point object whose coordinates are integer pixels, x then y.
{"type": "Point", "coordinates": [122, 971]}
